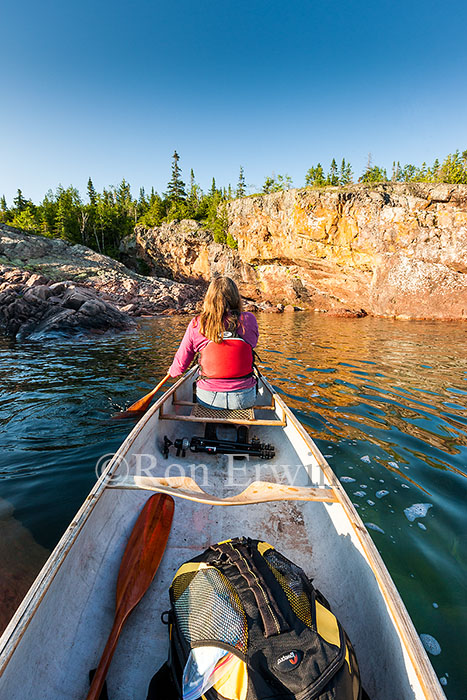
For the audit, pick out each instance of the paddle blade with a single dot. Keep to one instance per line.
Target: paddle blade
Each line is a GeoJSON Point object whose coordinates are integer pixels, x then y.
{"type": "Point", "coordinates": [142, 405]}
{"type": "Point", "coordinates": [144, 551]}
{"type": "Point", "coordinates": [139, 564]}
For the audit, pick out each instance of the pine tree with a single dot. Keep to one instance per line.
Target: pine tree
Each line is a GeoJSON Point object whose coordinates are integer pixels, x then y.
{"type": "Point", "coordinates": [92, 194]}
{"type": "Point", "coordinates": [194, 196]}
{"type": "Point", "coordinates": [155, 214]}
{"type": "Point", "coordinates": [213, 191]}
{"type": "Point", "coordinates": [19, 202]}
{"type": "Point", "coordinates": [241, 186]}
{"type": "Point", "coordinates": [346, 175]}
{"type": "Point", "coordinates": [3, 209]}
{"type": "Point", "coordinates": [374, 174]}
{"type": "Point", "coordinates": [333, 177]}
{"type": "Point", "coordinates": [176, 186]}
{"type": "Point", "coordinates": [269, 183]}
{"type": "Point", "coordinates": [315, 176]}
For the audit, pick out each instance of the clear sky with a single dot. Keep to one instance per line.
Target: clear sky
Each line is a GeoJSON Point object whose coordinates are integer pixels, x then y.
{"type": "Point", "coordinates": [110, 89]}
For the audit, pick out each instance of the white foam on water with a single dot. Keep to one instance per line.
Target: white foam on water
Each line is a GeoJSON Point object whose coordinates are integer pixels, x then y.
{"type": "Point", "coordinates": [443, 680]}
{"type": "Point", "coordinates": [431, 644]}
{"type": "Point", "coordinates": [371, 503]}
{"type": "Point", "coordinates": [365, 458]}
{"type": "Point", "coordinates": [393, 464]}
{"type": "Point", "coordinates": [382, 493]}
{"type": "Point", "coordinates": [372, 526]}
{"type": "Point", "coordinates": [418, 510]}
{"type": "Point", "coordinates": [421, 526]}
{"type": "Point", "coordinates": [435, 605]}
{"type": "Point", "coordinates": [347, 479]}
{"type": "Point", "coordinates": [363, 486]}
{"type": "Point", "coordinates": [404, 486]}
{"type": "Point", "coordinates": [360, 493]}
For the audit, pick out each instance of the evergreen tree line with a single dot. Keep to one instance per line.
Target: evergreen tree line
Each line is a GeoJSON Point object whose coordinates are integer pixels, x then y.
{"type": "Point", "coordinates": [106, 217]}
{"type": "Point", "coordinates": [452, 170]}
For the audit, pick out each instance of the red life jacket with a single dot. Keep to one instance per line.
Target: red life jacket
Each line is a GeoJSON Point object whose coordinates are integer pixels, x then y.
{"type": "Point", "coordinates": [230, 359]}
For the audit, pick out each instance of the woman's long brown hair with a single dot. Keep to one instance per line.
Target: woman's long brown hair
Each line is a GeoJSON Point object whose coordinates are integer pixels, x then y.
{"type": "Point", "coordinates": [221, 309]}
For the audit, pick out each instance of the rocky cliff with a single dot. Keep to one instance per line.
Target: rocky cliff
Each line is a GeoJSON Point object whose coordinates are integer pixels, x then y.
{"type": "Point", "coordinates": [395, 249]}
{"type": "Point", "coordinates": [48, 285]}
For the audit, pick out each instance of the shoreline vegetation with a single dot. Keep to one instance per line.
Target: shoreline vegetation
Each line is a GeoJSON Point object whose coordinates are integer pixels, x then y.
{"type": "Point", "coordinates": [107, 217]}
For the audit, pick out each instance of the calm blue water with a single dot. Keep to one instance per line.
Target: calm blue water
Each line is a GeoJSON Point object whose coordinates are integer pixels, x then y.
{"type": "Point", "coordinates": [385, 401]}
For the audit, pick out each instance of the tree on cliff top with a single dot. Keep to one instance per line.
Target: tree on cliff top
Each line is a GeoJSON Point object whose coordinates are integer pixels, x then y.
{"type": "Point", "coordinates": [20, 202]}
{"type": "Point", "coordinates": [277, 183]}
{"type": "Point", "coordinates": [346, 175]}
{"type": "Point", "coordinates": [454, 168]}
{"type": "Point", "coordinates": [315, 176]}
{"type": "Point", "coordinates": [3, 209]}
{"type": "Point", "coordinates": [176, 186]}
{"type": "Point", "coordinates": [92, 194]}
{"type": "Point", "coordinates": [241, 186]}
{"type": "Point", "coordinates": [374, 174]}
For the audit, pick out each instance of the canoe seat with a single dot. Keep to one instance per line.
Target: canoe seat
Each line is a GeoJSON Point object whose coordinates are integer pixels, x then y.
{"type": "Point", "coordinates": [235, 416]}
{"type": "Point", "coordinates": [231, 414]}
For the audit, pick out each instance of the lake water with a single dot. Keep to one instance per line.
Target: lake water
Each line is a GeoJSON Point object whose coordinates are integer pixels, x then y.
{"type": "Point", "coordinates": [384, 400]}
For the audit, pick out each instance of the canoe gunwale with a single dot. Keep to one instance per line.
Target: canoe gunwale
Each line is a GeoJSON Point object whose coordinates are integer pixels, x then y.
{"type": "Point", "coordinates": [402, 620]}
{"type": "Point", "coordinates": [18, 624]}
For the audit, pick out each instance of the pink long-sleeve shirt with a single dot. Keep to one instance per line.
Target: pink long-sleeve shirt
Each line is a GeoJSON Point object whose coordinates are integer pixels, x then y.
{"type": "Point", "coordinates": [193, 342]}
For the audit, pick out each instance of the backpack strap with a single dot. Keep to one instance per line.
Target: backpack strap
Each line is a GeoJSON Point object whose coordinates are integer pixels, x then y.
{"type": "Point", "coordinates": [272, 618]}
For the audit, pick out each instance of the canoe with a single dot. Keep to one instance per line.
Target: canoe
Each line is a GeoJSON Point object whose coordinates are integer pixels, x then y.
{"type": "Point", "coordinates": [292, 500]}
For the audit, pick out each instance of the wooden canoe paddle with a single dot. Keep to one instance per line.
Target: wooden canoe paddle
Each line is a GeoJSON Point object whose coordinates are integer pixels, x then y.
{"type": "Point", "coordinates": [142, 405]}
{"type": "Point", "coordinates": [139, 564]}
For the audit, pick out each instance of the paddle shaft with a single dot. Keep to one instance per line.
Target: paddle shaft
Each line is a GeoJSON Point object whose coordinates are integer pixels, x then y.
{"type": "Point", "coordinates": [138, 567]}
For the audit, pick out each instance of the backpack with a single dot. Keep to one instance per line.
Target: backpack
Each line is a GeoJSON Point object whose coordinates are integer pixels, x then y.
{"type": "Point", "coordinates": [245, 597]}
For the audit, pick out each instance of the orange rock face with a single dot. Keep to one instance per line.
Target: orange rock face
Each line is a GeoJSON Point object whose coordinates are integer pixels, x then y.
{"type": "Point", "coordinates": [394, 249]}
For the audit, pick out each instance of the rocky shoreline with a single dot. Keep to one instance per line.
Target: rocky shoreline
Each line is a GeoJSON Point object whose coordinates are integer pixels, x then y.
{"type": "Point", "coordinates": [397, 250]}
{"type": "Point", "coordinates": [50, 286]}
{"type": "Point", "coordinates": [32, 306]}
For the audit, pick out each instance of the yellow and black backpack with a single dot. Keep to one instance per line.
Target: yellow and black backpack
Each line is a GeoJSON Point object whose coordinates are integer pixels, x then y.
{"type": "Point", "coordinates": [245, 597]}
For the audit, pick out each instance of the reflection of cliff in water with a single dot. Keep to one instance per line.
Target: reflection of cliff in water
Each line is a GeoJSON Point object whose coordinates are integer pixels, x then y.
{"type": "Point", "coordinates": [349, 378]}
{"type": "Point", "coordinates": [21, 557]}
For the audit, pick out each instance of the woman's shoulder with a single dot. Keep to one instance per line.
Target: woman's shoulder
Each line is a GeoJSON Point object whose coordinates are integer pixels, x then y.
{"type": "Point", "coordinates": [194, 323]}
{"type": "Point", "coordinates": [248, 318]}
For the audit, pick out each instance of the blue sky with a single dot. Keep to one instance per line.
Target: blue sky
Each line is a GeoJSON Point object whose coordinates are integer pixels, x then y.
{"type": "Point", "coordinates": [110, 89]}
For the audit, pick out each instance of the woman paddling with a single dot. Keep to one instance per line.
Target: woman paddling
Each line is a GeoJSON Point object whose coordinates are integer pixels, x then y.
{"type": "Point", "coordinates": [225, 336]}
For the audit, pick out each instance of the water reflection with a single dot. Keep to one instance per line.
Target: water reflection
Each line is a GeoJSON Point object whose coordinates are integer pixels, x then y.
{"type": "Point", "coordinates": [385, 401]}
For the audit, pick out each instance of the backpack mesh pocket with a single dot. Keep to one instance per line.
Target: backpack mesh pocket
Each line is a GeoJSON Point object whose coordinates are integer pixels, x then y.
{"type": "Point", "coordinates": [291, 580]}
{"type": "Point", "coordinates": [208, 609]}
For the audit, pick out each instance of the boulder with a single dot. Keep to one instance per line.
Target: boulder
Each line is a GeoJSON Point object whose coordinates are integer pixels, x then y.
{"type": "Point", "coordinates": [36, 308]}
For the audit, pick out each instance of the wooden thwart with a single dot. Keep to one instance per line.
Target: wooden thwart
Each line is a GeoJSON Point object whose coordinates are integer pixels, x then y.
{"type": "Point", "coordinates": [256, 492]}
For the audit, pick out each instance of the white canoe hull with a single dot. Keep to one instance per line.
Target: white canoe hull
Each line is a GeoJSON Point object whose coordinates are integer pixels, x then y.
{"type": "Point", "coordinates": [59, 631]}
